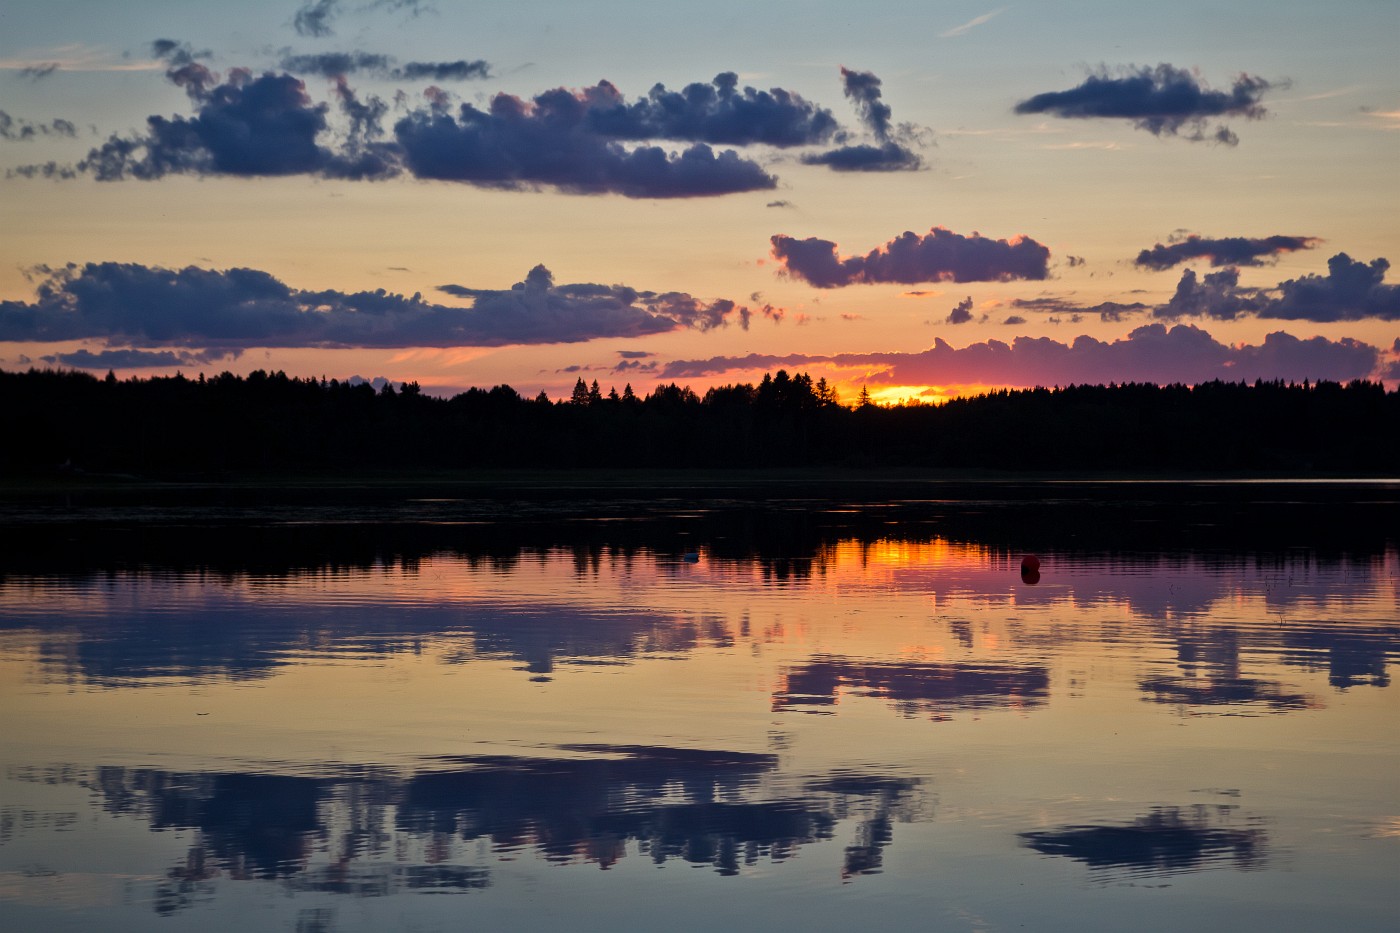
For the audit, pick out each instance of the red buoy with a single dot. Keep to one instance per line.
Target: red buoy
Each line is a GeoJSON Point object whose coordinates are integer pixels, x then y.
{"type": "Point", "coordinates": [1030, 563]}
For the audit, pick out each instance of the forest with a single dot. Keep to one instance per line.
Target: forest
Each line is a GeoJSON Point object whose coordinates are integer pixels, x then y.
{"type": "Point", "coordinates": [57, 422]}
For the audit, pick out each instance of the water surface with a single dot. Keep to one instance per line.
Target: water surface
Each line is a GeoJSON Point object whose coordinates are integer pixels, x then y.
{"type": "Point", "coordinates": [826, 716]}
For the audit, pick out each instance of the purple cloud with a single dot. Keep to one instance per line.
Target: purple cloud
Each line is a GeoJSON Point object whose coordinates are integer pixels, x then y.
{"type": "Point", "coordinates": [719, 113]}
{"type": "Point", "coordinates": [1165, 101]}
{"type": "Point", "coordinates": [1350, 291]}
{"type": "Point", "coordinates": [147, 307]}
{"type": "Point", "coordinates": [133, 359]}
{"type": "Point", "coordinates": [340, 64]}
{"type": "Point", "coordinates": [939, 256]}
{"type": "Point", "coordinates": [1151, 353]}
{"type": "Point", "coordinates": [246, 126]}
{"type": "Point", "coordinates": [24, 130]}
{"type": "Point", "coordinates": [268, 125]}
{"type": "Point", "coordinates": [862, 88]}
{"type": "Point", "coordinates": [886, 157]}
{"type": "Point", "coordinates": [1222, 251]}
{"type": "Point", "coordinates": [517, 145]}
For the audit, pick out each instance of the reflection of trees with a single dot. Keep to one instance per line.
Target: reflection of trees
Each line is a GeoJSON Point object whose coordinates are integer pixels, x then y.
{"type": "Point", "coordinates": [1211, 676]}
{"type": "Point", "coordinates": [369, 834]}
{"type": "Point", "coordinates": [238, 641]}
{"type": "Point", "coordinates": [1236, 692]}
{"type": "Point", "coordinates": [914, 689]}
{"type": "Point", "coordinates": [1352, 656]}
{"type": "Point", "coordinates": [1164, 841]}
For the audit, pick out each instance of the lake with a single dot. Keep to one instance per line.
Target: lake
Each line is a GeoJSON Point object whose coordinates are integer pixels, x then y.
{"type": "Point", "coordinates": [724, 708]}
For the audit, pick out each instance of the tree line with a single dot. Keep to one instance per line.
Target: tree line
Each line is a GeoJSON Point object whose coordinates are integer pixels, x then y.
{"type": "Point", "coordinates": [55, 420]}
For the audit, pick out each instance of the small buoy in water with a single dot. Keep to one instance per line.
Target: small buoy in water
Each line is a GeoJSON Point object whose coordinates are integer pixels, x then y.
{"type": "Point", "coordinates": [1030, 569]}
{"type": "Point", "coordinates": [691, 557]}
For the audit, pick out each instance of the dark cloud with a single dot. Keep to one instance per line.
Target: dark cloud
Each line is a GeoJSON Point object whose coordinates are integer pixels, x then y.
{"type": "Point", "coordinates": [132, 359]}
{"type": "Point", "coordinates": [39, 71]}
{"type": "Point", "coordinates": [886, 157]}
{"type": "Point", "coordinates": [246, 126]}
{"type": "Point", "coordinates": [1165, 101]}
{"type": "Point", "coordinates": [962, 313]}
{"type": "Point", "coordinates": [862, 88]}
{"type": "Point", "coordinates": [50, 169]}
{"type": "Point", "coordinates": [315, 16]}
{"type": "Point", "coordinates": [1216, 295]}
{"type": "Point", "coordinates": [1222, 251]}
{"type": "Point", "coordinates": [151, 307]}
{"type": "Point", "coordinates": [1350, 291]}
{"type": "Point", "coordinates": [339, 64]}
{"type": "Point", "coordinates": [718, 113]}
{"type": "Point", "coordinates": [939, 256]}
{"type": "Point", "coordinates": [21, 130]}
{"type": "Point", "coordinates": [269, 126]}
{"type": "Point", "coordinates": [177, 54]}
{"type": "Point", "coordinates": [333, 64]}
{"type": "Point", "coordinates": [1107, 311]}
{"type": "Point", "coordinates": [779, 204]}
{"type": "Point", "coordinates": [1151, 353]}
{"type": "Point", "coordinates": [460, 70]}
{"type": "Point", "coordinates": [634, 354]}
{"type": "Point", "coordinates": [549, 141]}
{"type": "Point", "coordinates": [1014, 320]}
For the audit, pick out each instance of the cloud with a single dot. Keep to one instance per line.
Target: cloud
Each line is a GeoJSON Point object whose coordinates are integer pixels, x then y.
{"type": "Point", "coordinates": [1165, 101]}
{"type": "Point", "coordinates": [1151, 353]}
{"type": "Point", "coordinates": [39, 71]}
{"type": "Point", "coordinates": [1107, 310]}
{"type": "Point", "coordinates": [333, 64]}
{"type": "Point", "coordinates": [551, 141]}
{"type": "Point", "coordinates": [133, 359]}
{"type": "Point", "coordinates": [339, 64]}
{"type": "Point", "coordinates": [862, 88]}
{"type": "Point", "coordinates": [719, 113]}
{"type": "Point", "coordinates": [886, 157]}
{"type": "Point", "coordinates": [460, 70]}
{"type": "Point", "coordinates": [569, 140]}
{"type": "Point", "coordinates": [23, 130]}
{"type": "Point", "coordinates": [1014, 320]}
{"type": "Point", "coordinates": [249, 127]}
{"type": "Point", "coordinates": [1350, 291]}
{"type": "Point", "coordinates": [149, 307]}
{"type": "Point", "coordinates": [176, 53]}
{"type": "Point", "coordinates": [50, 169]}
{"type": "Point", "coordinates": [314, 18]}
{"type": "Point", "coordinates": [962, 313]}
{"type": "Point", "coordinates": [939, 256]}
{"type": "Point", "coordinates": [1217, 295]}
{"type": "Point", "coordinates": [268, 125]}
{"type": "Point", "coordinates": [971, 24]}
{"type": "Point", "coordinates": [1222, 251]}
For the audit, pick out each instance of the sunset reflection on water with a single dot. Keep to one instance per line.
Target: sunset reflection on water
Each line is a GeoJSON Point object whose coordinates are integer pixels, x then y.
{"type": "Point", "coordinates": [902, 716]}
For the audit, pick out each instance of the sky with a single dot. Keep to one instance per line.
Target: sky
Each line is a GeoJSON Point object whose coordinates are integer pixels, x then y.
{"type": "Point", "coordinates": [927, 199]}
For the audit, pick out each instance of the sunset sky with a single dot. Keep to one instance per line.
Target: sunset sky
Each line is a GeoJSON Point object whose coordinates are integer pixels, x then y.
{"type": "Point", "coordinates": [927, 198]}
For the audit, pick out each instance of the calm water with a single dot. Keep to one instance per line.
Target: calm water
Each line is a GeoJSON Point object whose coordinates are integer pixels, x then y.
{"type": "Point", "coordinates": [728, 727]}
